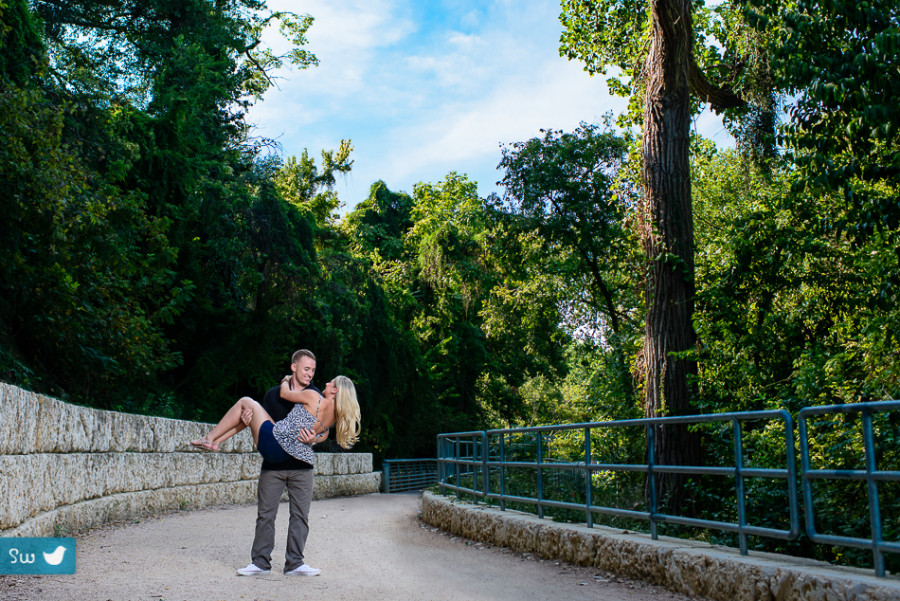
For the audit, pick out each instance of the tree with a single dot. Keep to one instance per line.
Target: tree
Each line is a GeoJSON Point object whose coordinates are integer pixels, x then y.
{"type": "Point", "coordinates": [82, 307]}
{"type": "Point", "coordinates": [566, 258]}
{"type": "Point", "coordinates": [667, 234]}
{"type": "Point", "coordinates": [24, 53]}
{"type": "Point", "coordinates": [561, 187]}
{"type": "Point", "coordinates": [655, 42]}
{"type": "Point", "coordinates": [132, 193]}
{"type": "Point", "coordinates": [445, 248]}
{"type": "Point", "coordinates": [304, 185]}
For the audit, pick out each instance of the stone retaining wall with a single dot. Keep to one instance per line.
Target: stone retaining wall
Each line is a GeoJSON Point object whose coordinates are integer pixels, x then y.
{"type": "Point", "coordinates": [687, 567]}
{"type": "Point", "coordinates": [64, 468]}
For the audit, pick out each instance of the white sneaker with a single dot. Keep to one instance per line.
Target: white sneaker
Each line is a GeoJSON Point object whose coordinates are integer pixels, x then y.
{"type": "Point", "coordinates": [304, 570]}
{"type": "Point", "coordinates": [252, 570]}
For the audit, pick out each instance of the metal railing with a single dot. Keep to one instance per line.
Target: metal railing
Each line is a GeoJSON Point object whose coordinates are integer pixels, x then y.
{"type": "Point", "coordinates": [408, 474]}
{"type": "Point", "coordinates": [869, 473]}
{"type": "Point", "coordinates": [487, 464]}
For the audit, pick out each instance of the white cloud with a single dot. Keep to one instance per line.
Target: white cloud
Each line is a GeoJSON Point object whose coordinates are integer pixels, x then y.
{"type": "Point", "coordinates": [419, 100]}
{"type": "Point", "coordinates": [556, 96]}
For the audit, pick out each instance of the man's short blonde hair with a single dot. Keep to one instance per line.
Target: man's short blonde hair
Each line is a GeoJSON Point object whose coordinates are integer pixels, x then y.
{"type": "Point", "coordinates": [302, 353]}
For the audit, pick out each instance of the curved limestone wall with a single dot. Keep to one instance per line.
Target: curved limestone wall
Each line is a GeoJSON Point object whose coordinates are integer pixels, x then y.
{"type": "Point", "coordinates": [64, 468]}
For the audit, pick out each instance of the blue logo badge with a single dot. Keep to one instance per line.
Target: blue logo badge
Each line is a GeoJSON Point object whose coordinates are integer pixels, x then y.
{"type": "Point", "coordinates": [37, 555]}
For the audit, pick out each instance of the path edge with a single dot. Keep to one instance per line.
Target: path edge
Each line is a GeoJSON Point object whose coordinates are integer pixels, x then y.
{"type": "Point", "coordinates": [687, 567]}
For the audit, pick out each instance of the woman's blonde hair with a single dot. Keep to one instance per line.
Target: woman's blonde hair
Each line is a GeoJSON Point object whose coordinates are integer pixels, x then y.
{"type": "Point", "coordinates": [346, 412]}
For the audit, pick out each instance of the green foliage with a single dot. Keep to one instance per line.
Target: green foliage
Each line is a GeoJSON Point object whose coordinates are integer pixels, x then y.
{"type": "Point", "coordinates": [837, 62]}
{"type": "Point", "coordinates": [612, 37]}
{"type": "Point", "coordinates": [787, 314]}
{"type": "Point", "coordinates": [447, 281]}
{"type": "Point", "coordinates": [569, 267]}
{"type": "Point", "coordinates": [566, 218]}
{"type": "Point", "coordinates": [82, 299]}
{"type": "Point", "coordinates": [23, 49]}
{"type": "Point", "coordinates": [301, 183]}
{"type": "Point", "coordinates": [133, 205]}
{"type": "Point", "coordinates": [422, 253]}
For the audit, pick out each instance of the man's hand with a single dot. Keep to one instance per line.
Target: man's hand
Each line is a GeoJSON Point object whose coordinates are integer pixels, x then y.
{"type": "Point", "coordinates": [246, 416]}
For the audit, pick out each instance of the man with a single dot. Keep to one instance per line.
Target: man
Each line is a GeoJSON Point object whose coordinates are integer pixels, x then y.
{"type": "Point", "coordinates": [294, 474]}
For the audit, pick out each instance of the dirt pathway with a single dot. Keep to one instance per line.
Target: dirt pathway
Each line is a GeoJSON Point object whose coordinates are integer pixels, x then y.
{"type": "Point", "coordinates": [369, 548]}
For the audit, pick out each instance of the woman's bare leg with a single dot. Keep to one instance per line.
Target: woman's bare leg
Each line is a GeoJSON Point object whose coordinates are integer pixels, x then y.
{"type": "Point", "coordinates": [231, 423]}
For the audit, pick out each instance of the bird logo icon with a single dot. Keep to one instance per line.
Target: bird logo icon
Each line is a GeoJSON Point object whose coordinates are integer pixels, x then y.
{"type": "Point", "coordinates": [55, 558]}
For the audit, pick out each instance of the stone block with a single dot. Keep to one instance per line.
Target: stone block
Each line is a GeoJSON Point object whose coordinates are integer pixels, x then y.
{"type": "Point", "coordinates": [351, 463]}
{"type": "Point", "coordinates": [18, 420]}
{"type": "Point", "coordinates": [346, 485]}
{"type": "Point", "coordinates": [324, 464]}
{"type": "Point", "coordinates": [576, 546]}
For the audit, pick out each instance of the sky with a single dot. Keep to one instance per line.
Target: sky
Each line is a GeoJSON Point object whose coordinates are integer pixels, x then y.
{"type": "Point", "coordinates": [423, 88]}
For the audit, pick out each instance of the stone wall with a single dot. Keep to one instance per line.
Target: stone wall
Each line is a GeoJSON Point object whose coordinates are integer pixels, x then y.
{"type": "Point", "coordinates": [64, 468]}
{"type": "Point", "coordinates": [688, 567]}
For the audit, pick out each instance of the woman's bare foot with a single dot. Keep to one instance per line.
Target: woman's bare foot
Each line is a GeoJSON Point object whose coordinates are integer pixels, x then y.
{"type": "Point", "coordinates": [204, 444]}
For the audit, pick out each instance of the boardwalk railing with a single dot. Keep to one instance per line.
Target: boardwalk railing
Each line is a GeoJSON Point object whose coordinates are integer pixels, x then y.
{"type": "Point", "coordinates": [593, 468]}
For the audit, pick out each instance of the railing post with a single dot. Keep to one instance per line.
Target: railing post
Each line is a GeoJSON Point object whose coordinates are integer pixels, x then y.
{"type": "Point", "coordinates": [502, 471]}
{"type": "Point", "coordinates": [386, 474]}
{"type": "Point", "coordinates": [540, 474]}
{"type": "Point", "coordinates": [651, 478]}
{"type": "Point", "coordinates": [872, 486]}
{"type": "Point", "coordinates": [457, 458]}
{"type": "Point", "coordinates": [485, 451]}
{"type": "Point", "coordinates": [791, 467]}
{"type": "Point", "coordinates": [739, 486]}
{"type": "Point", "coordinates": [588, 489]}
{"type": "Point", "coordinates": [441, 465]}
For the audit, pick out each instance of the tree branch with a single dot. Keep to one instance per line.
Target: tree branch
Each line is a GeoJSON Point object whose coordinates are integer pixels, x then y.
{"type": "Point", "coordinates": [718, 97]}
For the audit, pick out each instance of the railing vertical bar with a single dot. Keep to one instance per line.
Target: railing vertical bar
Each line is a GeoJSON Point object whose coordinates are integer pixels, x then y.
{"type": "Point", "coordinates": [739, 485]}
{"type": "Point", "coordinates": [588, 488]}
{"type": "Point", "coordinates": [809, 513]}
{"type": "Point", "coordinates": [872, 487]}
{"type": "Point", "coordinates": [651, 478]}
{"type": "Point", "coordinates": [474, 466]}
{"type": "Point", "coordinates": [540, 473]}
{"type": "Point", "coordinates": [458, 457]}
{"type": "Point", "coordinates": [502, 472]}
{"type": "Point", "coordinates": [486, 476]}
{"type": "Point", "coordinates": [790, 461]}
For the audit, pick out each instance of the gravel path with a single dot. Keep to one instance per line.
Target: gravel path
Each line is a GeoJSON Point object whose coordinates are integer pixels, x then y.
{"type": "Point", "coordinates": [370, 548]}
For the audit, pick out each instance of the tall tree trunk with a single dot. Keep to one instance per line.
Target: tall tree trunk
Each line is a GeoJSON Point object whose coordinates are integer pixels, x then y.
{"type": "Point", "coordinates": [668, 237]}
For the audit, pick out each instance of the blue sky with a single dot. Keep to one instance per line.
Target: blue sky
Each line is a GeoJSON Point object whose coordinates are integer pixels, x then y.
{"type": "Point", "coordinates": [426, 87]}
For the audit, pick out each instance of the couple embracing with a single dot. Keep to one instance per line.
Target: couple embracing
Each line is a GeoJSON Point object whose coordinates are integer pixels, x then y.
{"type": "Point", "coordinates": [292, 417]}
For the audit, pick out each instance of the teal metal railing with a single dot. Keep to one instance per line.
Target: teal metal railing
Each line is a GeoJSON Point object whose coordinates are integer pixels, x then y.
{"type": "Point", "coordinates": [400, 475]}
{"type": "Point", "coordinates": [564, 470]}
{"type": "Point", "coordinates": [868, 473]}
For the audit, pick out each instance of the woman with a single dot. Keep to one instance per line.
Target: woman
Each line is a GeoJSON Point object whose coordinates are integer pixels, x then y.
{"type": "Point", "coordinates": [293, 435]}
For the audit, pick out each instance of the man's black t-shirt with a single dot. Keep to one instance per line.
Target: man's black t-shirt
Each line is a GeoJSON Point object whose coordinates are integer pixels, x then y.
{"type": "Point", "coordinates": [278, 408]}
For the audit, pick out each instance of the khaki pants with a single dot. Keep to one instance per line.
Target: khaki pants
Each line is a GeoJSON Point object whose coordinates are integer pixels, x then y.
{"type": "Point", "coordinates": [271, 485]}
